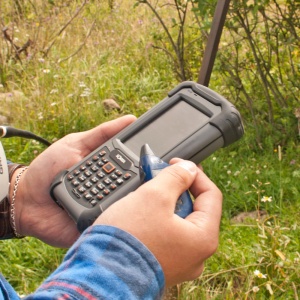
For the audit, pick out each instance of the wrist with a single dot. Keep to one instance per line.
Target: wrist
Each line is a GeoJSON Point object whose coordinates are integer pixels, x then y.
{"type": "Point", "coordinates": [6, 229]}
{"type": "Point", "coordinates": [16, 199]}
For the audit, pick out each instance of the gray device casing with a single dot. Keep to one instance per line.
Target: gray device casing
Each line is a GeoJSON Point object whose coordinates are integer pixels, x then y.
{"type": "Point", "coordinates": [224, 127]}
{"type": "Point", "coordinates": [4, 180]}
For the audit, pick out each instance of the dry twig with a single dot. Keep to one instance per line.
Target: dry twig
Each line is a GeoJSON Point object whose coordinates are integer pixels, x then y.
{"type": "Point", "coordinates": [46, 51]}
{"type": "Point", "coordinates": [18, 50]}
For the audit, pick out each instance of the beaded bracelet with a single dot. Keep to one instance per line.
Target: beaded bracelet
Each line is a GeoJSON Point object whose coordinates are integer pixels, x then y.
{"type": "Point", "coordinates": [12, 204]}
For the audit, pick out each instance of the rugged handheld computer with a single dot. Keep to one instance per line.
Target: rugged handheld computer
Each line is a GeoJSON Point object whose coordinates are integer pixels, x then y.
{"type": "Point", "coordinates": [192, 122]}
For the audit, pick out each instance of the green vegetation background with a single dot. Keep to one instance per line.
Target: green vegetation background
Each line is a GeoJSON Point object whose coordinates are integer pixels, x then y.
{"type": "Point", "coordinates": [80, 53]}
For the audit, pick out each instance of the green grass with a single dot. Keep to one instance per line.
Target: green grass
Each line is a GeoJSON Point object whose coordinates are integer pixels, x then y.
{"type": "Point", "coordinates": [117, 61]}
{"type": "Point", "coordinates": [26, 262]}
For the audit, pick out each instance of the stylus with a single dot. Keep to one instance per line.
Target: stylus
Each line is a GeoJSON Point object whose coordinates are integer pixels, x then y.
{"type": "Point", "coordinates": [150, 166]}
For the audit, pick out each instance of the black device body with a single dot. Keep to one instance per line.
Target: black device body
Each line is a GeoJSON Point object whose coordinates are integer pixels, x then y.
{"type": "Point", "coordinates": [192, 122]}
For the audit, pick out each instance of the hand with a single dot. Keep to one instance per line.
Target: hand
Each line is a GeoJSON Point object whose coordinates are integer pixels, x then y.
{"type": "Point", "coordinates": [180, 245]}
{"type": "Point", "coordinates": [36, 213]}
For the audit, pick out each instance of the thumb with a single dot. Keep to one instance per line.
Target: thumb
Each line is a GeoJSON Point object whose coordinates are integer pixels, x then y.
{"type": "Point", "coordinates": [170, 183]}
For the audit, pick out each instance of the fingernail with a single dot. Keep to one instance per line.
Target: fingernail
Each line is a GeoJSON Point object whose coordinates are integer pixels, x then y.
{"type": "Point", "coordinates": [188, 165]}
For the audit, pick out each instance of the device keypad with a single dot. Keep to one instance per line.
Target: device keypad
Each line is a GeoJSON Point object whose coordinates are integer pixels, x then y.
{"type": "Point", "coordinates": [96, 178]}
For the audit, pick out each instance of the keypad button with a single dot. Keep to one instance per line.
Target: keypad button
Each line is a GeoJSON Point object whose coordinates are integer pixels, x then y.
{"type": "Point", "coordinates": [100, 197]}
{"type": "Point", "coordinates": [81, 189]}
{"type": "Point", "coordinates": [88, 196]}
{"type": "Point", "coordinates": [93, 202]}
{"type": "Point", "coordinates": [76, 193]}
{"type": "Point", "coordinates": [94, 168]}
{"type": "Point", "coordinates": [102, 153]}
{"type": "Point", "coordinates": [100, 186]}
{"type": "Point", "coordinates": [108, 168]}
{"type": "Point", "coordinates": [114, 177]}
{"type": "Point", "coordinates": [95, 157]}
{"type": "Point", "coordinates": [105, 160]}
{"type": "Point", "coordinates": [76, 172]}
{"type": "Point", "coordinates": [112, 186]}
{"type": "Point", "coordinates": [107, 181]}
{"type": "Point", "coordinates": [119, 181]}
{"type": "Point", "coordinates": [88, 173]}
{"type": "Point", "coordinates": [88, 184]}
{"type": "Point", "coordinates": [82, 178]}
{"type": "Point", "coordinates": [75, 182]}
{"type": "Point", "coordinates": [94, 191]}
{"type": "Point", "coordinates": [89, 163]}
{"type": "Point", "coordinates": [118, 173]}
{"type": "Point", "coordinates": [82, 168]}
{"type": "Point", "coordinates": [70, 177]}
{"type": "Point", "coordinates": [100, 163]}
{"type": "Point", "coordinates": [127, 176]}
{"type": "Point", "coordinates": [94, 179]}
{"type": "Point", "coordinates": [101, 175]}
{"type": "Point", "coordinates": [106, 191]}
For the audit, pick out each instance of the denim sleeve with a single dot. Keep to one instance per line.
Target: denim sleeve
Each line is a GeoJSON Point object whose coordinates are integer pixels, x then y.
{"type": "Point", "coordinates": [105, 263]}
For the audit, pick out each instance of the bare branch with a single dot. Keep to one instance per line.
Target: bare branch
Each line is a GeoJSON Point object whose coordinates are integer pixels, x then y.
{"type": "Point", "coordinates": [46, 51]}
{"type": "Point", "coordinates": [81, 46]}
{"type": "Point", "coordinates": [18, 50]}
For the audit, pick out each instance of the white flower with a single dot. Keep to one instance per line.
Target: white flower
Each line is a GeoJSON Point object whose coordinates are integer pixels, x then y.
{"type": "Point", "coordinates": [46, 71]}
{"type": "Point", "coordinates": [86, 92]}
{"type": "Point", "coordinates": [258, 274]}
{"type": "Point", "coordinates": [54, 91]}
{"type": "Point", "coordinates": [40, 116]}
{"type": "Point", "coordinates": [266, 199]}
{"type": "Point", "coordinates": [255, 289]}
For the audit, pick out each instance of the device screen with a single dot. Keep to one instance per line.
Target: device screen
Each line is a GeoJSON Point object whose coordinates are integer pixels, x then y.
{"type": "Point", "coordinates": [168, 130]}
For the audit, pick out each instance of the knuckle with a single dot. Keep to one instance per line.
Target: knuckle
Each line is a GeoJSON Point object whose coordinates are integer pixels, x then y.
{"type": "Point", "coordinates": [180, 177]}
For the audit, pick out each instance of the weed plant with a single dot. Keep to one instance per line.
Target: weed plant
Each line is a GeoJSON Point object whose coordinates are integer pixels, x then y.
{"type": "Point", "coordinates": [84, 53]}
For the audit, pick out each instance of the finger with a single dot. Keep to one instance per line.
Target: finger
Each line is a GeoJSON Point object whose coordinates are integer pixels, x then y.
{"type": "Point", "coordinates": [203, 185]}
{"type": "Point", "coordinates": [176, 159]}
{"type": "Point", "coordinates": [208, 203]}
{"type": "Point", "coordinates": [97, 136]}
{"type": "Point", "coordinates": [208, 198]}
{"type": "Point", "coordinates": [170, 183]}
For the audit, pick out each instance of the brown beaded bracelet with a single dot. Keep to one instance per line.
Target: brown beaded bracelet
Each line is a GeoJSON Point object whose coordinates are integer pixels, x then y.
{"type": "Point", "coordinates": [6, 230]}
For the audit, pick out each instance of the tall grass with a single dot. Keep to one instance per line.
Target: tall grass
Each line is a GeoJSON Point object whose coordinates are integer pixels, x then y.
{"type": "Point", "coordinates": [107, 53]}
